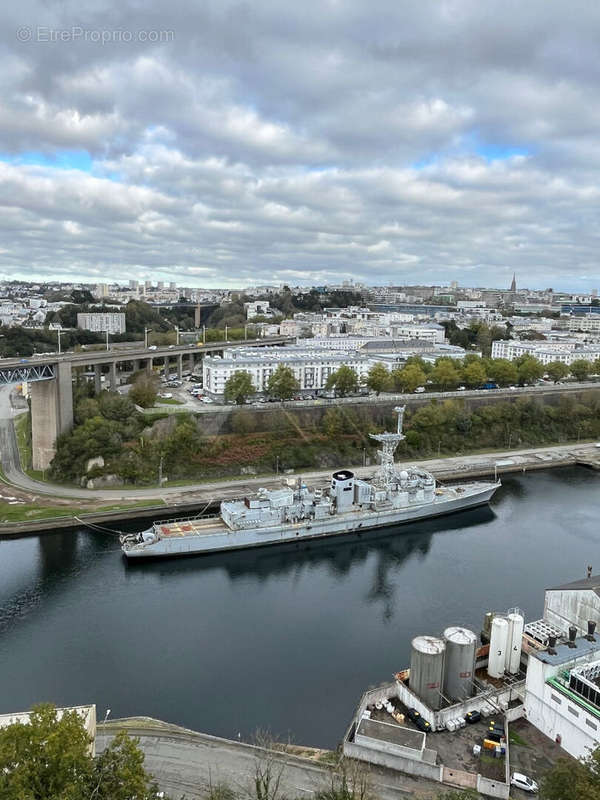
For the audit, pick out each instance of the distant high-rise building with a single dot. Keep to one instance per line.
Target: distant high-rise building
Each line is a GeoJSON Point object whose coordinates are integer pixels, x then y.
{"type": "Point", "coordinates": [160, 285]}
{"type": "Point", "coordinates": [513, 285]}
{"type": "Point", "coordinates": [101, 290]}
{"type": "Point", "coordinates": [147, 285]}
{"type": "Point", "coordinates": [172, 286]}
{"type": "Point", "coordinates": [101, 322]}
{"type": "Point", "coordinates": [133, 285]}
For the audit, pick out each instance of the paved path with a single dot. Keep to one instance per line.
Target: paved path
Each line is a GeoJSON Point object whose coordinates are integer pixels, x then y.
{"type": "Point", "coordinates": [186, 763]}
{"type": "Point", "coordinates": [217, 490]}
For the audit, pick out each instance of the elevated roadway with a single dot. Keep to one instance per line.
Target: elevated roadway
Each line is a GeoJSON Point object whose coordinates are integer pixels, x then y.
{"type": "Point", "coordinates": [51, 380]}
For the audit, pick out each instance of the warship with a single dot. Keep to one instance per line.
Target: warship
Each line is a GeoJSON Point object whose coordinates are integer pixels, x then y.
{"type": "Point", "coordinates": [293, 513]}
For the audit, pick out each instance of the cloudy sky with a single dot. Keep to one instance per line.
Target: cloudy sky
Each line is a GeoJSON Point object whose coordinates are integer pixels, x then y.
{"type": "Point", "coordinates": [222, 143]}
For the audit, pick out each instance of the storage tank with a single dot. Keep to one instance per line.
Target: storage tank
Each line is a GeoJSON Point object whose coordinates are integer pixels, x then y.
{"type": "Point", "coordinates": [516, 623]}
{"type": "Point", "coordinates": [498, 647]}
{"type": "Point", "coordinates": [459, 668]}
{"type": "Point", "coordinates": [427, 669]}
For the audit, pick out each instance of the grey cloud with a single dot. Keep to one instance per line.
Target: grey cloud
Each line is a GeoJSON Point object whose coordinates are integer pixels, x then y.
{"type": "Point", "coordinates": [321, 140]}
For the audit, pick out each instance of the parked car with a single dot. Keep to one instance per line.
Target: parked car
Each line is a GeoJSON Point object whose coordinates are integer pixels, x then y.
{"type": "Point", "coordinates": [471, 717]}
{"type": "Point", "coordinates": [523, 782]}
{"type": "Point", "coordinates": [419, 389]}
{"type": "Point", "coordinates": [166, 395]}
{"type": "Point", "coordinates": [462, 389]}
{"type": "Point", "coordinates": [152, 347]}
{"type": "Point", "coordinates": [416, 718]}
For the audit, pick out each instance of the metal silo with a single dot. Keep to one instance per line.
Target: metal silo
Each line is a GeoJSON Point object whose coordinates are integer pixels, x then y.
{"type": "Point", "coordinates": [516, 624]}
{"type": "Point", "coordinates": [498, 647]}
{"type": "Point", "coordinates": [427, 669]}
{"type": "Point", "coordinates": [459, 668]}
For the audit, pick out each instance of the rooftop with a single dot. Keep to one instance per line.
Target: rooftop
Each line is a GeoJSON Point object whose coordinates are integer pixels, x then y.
{"type": "Point", "coordinates": [592, 583]}
{"type": "Point", "coordinates": [564, 653]}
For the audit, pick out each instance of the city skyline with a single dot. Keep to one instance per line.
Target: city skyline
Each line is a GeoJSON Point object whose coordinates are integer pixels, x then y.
{"type": "Point", "coordinates": [235, 145]}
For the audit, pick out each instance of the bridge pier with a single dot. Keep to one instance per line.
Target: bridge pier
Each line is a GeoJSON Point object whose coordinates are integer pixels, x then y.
{"type": "Point", "coordinates": [51, 414]}
{"type": "Point", "coordinates": [98, 378]}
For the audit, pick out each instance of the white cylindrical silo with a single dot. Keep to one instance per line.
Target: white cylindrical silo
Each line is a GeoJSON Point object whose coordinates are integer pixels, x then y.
{"type": "Point", "coordinates": [512, 661]}
{"type": "Point", "coordinates": [459, 669]}
{"type": "Point", "coordinates": [498, 647]}
{"type": "Point", "coordinates": [427, 669]}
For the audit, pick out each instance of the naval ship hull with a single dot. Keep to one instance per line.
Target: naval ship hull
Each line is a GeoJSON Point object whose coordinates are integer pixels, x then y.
{"type": "Point", "coordinates": [211, 535]}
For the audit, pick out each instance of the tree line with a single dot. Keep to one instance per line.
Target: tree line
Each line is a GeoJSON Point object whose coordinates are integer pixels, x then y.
{"type": "Point", "coordinates": [445, 374]}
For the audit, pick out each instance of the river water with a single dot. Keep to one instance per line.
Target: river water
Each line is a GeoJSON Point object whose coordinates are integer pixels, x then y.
{"type": "Point", "coordinates": [278, 639]}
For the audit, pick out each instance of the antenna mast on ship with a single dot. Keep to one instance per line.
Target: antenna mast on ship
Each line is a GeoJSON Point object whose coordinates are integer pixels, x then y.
{"type": "Point", "coordinates": [389, 442]}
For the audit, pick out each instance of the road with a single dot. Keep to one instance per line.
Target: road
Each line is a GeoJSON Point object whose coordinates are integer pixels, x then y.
{"type": "Point", "coordinates": [204, 492]}
{"type": "Point", "coordinates": [186, 763]}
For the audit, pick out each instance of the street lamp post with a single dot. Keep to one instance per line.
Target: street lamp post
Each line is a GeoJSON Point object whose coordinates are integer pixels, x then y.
{"type": "Point", "coordinates": [59, 331]}
{"type": "Point", "coordinates": [177, 334]}
{"type": "Point", "coordinates": [146, 338]}
{"type": "Point", "coordinates": [204, 334]}
{"type": "Point", "coordinates": [277, 466]}
{"type": "Point", "coordinates": [107, 339]}
{"type": "Point", "coordinates": [226, 332]}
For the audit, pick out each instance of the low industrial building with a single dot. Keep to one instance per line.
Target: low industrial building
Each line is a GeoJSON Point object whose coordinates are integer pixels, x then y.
{"type": "Point", "coordinates": [545, 673]}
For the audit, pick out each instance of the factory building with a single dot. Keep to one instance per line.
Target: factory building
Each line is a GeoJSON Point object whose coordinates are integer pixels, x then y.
{"type": "Point", "coordinates": [545, 673]}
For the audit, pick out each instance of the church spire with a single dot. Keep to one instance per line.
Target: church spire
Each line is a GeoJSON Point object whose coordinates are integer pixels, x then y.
{"type": "Point", "coordinates": [513, 285]}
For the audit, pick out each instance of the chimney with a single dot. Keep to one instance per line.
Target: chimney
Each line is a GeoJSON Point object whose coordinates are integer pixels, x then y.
{"type": "Point", "coordinates": [572, 636]}
{"type": "Point", "coordinates": [551, 645]}
{"type": "Point", "coordinates": [591, 628]}
{"type": "Point", "coordinates": [589, 571]}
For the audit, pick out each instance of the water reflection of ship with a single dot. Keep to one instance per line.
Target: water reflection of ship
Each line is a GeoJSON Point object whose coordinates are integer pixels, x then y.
{"type": "Point", "coordinates": [391, 546]}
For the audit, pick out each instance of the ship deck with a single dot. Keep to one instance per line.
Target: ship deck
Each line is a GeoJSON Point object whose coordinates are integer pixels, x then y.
{"type": "Point", "coordinates": [190, 527]}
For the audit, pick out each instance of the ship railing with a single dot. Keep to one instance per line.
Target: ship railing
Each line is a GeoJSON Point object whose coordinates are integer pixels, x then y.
{"type": "Point", "coordinates": [185, 519]}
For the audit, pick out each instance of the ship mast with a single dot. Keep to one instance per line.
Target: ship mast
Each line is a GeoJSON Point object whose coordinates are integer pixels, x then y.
{"type": "Point", "coordinates": [389, 442]}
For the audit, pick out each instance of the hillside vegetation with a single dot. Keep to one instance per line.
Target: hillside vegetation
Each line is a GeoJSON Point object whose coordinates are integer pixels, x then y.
{"type": "Point", "coordinates": [178, 448]}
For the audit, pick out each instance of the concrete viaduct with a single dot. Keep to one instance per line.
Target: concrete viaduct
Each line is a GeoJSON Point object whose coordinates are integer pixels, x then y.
{"type": "Point", "coordinates": [51, 381]}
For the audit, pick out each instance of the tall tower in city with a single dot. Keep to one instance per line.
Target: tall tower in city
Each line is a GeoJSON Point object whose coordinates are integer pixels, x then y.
{"type": "Point", "coordinates": [513, 285]}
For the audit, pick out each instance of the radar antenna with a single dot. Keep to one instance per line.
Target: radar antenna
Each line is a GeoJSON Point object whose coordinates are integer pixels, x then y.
{"type": "Point", "coordinates": [389, 442]}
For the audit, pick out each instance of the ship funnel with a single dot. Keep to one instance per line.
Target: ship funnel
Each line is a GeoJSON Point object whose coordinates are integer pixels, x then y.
{"type": "Point", "coordinates": [591, 628]}
{"type": "Point", "coordinates": [572, 636]}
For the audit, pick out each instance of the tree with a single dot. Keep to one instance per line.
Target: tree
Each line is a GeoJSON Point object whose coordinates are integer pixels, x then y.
{"type": "Point", "coordinates": [239, 387]}
{"type": "Point", "coordinates": [378, 379]}
{"type": "Point", "coordinates": [344, 380]}
{"type": "Point", "coordinates": [573, 780]}
{"type": "Point", "coordinates": [557, 370]}
{"type": "Point", "coordinates": [503, 372]}
{"type": "Point", "coordinates": [581, 368]}
{"type": "Point", "coordinates": [282, 383]}
{"type": "Point", "coordinates": [145, 390]}
{"type": "Point", "coordinates": [596, 367]}
{"type": "Point", "coordinates": [445, 374]}
{"type": "Point", "coordinates": [529, 369]}
{"type": "Point", "coordinates": [474, 374]}
{"type": "Point", "coordinates": [50, 757]}
{"type": "Point", "coordinates": [407, 379]}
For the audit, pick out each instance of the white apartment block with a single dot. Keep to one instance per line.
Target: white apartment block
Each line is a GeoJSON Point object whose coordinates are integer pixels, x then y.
{"type": "Point", "coordinates": [588, 323]}
{"type": "Point", "coordinates": [566, 351]}
{"type": "Point", "coordinates": [100, 322]}
{"type": "Point", "coordinates": [311, 367]}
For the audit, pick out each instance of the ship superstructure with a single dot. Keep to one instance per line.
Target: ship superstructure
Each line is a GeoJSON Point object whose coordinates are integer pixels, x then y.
{"type": "Point", "coordinates": [291, 513]}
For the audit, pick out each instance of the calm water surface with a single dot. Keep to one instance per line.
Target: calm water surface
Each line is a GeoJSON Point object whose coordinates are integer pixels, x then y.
{"type": "Point", "coordinates": [282, 639]}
